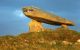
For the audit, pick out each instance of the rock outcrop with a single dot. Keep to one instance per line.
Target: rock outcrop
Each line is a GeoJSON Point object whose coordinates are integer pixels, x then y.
{"type": "Point", "coordinates": [44, 17]}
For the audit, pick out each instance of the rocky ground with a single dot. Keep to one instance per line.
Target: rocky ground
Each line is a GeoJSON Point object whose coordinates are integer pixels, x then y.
{"type": "Point", "coordinates": [58, 39]}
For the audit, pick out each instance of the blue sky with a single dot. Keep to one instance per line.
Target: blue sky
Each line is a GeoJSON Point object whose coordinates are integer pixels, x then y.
{"type": "Point", "coordinates": [13, 21]}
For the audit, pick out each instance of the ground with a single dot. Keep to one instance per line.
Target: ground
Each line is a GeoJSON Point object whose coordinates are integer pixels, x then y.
{"type": "Point", "coordinates": [58, 39]}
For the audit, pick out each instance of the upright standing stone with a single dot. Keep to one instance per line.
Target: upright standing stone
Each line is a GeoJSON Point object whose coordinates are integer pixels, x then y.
{"type": "Point", "coordinates": [35, 26]}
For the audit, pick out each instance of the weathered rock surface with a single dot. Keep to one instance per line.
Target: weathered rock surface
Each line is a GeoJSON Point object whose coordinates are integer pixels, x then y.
{"type": "Point", "coordinates": [45, 17]}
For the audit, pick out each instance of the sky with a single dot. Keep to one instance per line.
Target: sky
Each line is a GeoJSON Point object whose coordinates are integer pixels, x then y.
{"type": "Point", "coordinates": [14, 22]}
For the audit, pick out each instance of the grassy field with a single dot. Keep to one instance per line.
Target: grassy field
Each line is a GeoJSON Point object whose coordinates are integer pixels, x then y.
{"type": "Point", "coordinates": [58, 39]}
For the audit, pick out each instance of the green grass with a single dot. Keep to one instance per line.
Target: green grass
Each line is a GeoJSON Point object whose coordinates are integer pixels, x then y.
{"type": "Point", "coordinates": [47, 40]}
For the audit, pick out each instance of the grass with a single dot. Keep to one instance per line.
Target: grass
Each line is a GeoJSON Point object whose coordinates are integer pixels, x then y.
{"type": "Point", "coordinates": [58, 39]}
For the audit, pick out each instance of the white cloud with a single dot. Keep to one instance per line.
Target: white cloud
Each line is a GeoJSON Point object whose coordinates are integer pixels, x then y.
{"type": "Point", "coordinates": [19, 13]}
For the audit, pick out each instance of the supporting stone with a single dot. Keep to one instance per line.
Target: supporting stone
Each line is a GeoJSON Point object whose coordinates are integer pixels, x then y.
{"type": "Point", "coordinates": [64, 26]}
{"type": "Point", "coordinates": [35, 26]}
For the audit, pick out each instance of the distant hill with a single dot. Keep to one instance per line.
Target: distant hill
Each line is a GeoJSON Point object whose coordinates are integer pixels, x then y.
{"type": "Point", "coordinates": [58, 39]}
